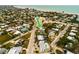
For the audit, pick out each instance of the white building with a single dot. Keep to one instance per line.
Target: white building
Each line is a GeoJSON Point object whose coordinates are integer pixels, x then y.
{"type": "Point", "coordinates": [74, 28]}
{"type": "Point", "coordinates": [15, 50]}
{"type": "Point", "coordinates": [9, 29]}
{"type": "Point", "coordinates": [26, 25]}
{"type": "Point", "coordinates": [40, 37]}
{"type": "Point", "coordinates": [69, 45]}
{"type": "Point", "coordinates": [55, 29]}
{"type": "Point", "coordinates": [17, 33]}
{"type": "Point", "coordinates": [41, 46]}
{"type": "Point", "coordinates": [3, 51]}
{"type": "Point", "coordinates": [70, 38]}
{"type": "Point", "coordinates": [55, 17]}
{"type": "Point", "coordinates": [68, 52]}
{"type": "Point", "coordinates": [72, 34]}
{"type": "Point", "coordinates": [59, 25]}
{"type": "Point", "coordinates": [74, 31]}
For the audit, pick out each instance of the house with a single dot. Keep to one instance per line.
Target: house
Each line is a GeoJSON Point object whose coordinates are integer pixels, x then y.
{"type": "Point", "coordinates": [24, 29]}
{"type": "Point", "coordinates": [26, 25]}
{"type": "Point", "coordinates": [18, 27]}
{"type": "Point", "coordinates": [69, 45]}
{"type": "Point", "coordinates": [52, 33]}
{"type": "Point", "coordinates": [0, 29]}
{"type": "Point", "coordinates": [6, 25]}
{"type": "Point", "coordinates": [74, 30]}
{"type": "Point", "coordinates": [68, 52]}
{"type": "Point", "coordinates": [55, 29]}
{"type": "Point", "coordinates": [17, 32]}
{"type": "Point", "coordinates": [1, 32]}
{"type": "Point", "coordinates": [9, 29]}
{"type": "Point", "coordinates": [70, 38]}
{"type": "Point", "coordinates": [47, 47]}
{"type": "Point", "coordinates": [3, 51]}
{"type": "Point", "coordinates": [3, 26]}
{"type": "Point", "coordinates": [15, 50]}
{"type": "Point", "coordinates": [55, 17]}
{"type": "Point", "coordinates": [72, 34]}
{"type": "Point", "coordinates": [41, 46]}
{"type": "Point", "coordinates": [40, 37]}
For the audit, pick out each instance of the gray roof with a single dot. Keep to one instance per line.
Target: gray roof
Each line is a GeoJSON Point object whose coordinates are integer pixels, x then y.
{"type": "Point", "coordinates": [3, 51]}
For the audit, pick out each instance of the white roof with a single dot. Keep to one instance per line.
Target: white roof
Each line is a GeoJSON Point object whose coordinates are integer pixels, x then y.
{"type": "Point", "coordinates": [55, 17]}
{"type": "Point", "coordinates": [2, 26]}
{"type": "Point", "coordinates": [6, 25]}
{"type": "Point", "coordinates": [2, 23]}
{"type": "Point", "coordinates": [74, 30]}
{"type": "Point", "coordinates": [27, 25]}
{"type": "Point", "coordinates": [40, 37]}
{"type": "Point", "coordinates": [17, 32]}
{"type": "Point", "coordinates": [15, 50]}
{"type": "Point", "coordinates": [55, 29]}
{"type": "Point", "coordinates": [68, 52]}
{"type": "Point", "coordinates": [41, 45]}
{"type": "Point", "coordinates": [0, 29]}
{"type": "Point", "coordinates": [19, 27]}
{"type": "Point", "coordinates": [70, 38]}
{"type": "Point", "coordinates": [69, 44]}
{"type": "Point", "coordinates": [9, 29]}
{"type": "Point", "coordinates": [59, 25]}
{"type": "Point", "coordinates": [72, 34]}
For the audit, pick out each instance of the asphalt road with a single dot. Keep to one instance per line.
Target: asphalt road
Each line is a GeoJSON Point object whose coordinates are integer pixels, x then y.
{"type": "Point", "coordinates": [14, 39]}
{"type": "Point", "coordinates": [30, 48]}
{"type": "Point", "coordinates": [61, 34]}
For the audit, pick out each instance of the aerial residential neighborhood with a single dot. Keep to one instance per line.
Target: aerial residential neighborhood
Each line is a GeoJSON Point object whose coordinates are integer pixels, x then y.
{"type": "Point", "coordinates": [32, 31]}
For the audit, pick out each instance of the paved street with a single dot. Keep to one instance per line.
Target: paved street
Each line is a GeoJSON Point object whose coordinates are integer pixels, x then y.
{"type": "Point", "coordinates": [15, 38]}
{"type": "Point", "coordinates": [60, 35]}
{"type": "Point", "coordinates": [30, 48]}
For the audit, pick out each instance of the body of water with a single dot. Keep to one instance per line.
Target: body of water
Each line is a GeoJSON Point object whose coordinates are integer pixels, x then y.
{"type": "Point", "coordinates": [59, 8]}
